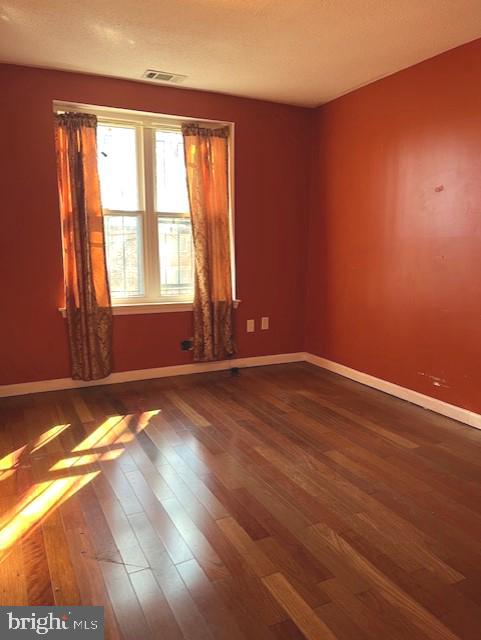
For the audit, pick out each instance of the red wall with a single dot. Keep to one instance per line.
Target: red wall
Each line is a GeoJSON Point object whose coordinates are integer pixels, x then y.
{"type": "Point", "coordinates": [394, 268]}
{"type": "Point", "coordinates": [271, 173]}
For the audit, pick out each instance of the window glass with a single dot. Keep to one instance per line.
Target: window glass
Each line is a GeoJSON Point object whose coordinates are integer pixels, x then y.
{"type": "Point", "coordinates": [117, 162]}
{"type": "Point", "coordinates": [175, 256]}
{"type": "Point", "coordinates": [170, 179]}
{"type": "Point", "coordinates": [124, 255]}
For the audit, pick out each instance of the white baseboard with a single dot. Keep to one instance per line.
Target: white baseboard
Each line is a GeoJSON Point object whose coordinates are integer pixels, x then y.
{"type": "Point", "coordinates": [433, 404]}
{"type": "Point", "coordinates": [438, 406]}
{"type": "Point", "coordinates": [146, 374]}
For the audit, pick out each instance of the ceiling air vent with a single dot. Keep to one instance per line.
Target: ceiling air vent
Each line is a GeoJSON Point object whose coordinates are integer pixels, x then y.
{"type": "Point", "coordinates": [163, 76]}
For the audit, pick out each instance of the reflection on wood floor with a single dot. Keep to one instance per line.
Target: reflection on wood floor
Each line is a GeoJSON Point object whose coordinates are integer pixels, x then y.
{"type": "Point", "coordinates": [284, 503]}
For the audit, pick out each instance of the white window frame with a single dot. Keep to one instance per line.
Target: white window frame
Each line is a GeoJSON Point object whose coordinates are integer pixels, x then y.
{"type": "Point", "coordinates": [145, 126]}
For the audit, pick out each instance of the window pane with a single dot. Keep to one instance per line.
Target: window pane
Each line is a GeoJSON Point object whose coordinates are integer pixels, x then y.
{"type": "Point", "coordinates": [176, 257]}
{"type": "Point", "coordinates": [170, 179]}
{"type": "Point", "coordinates": [117, 162]}
{"type": "Point", "coordinates": [124, 255]}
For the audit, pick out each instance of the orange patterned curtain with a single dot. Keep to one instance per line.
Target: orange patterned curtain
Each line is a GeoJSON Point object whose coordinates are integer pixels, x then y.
{"type": "Point", "coordinates": [206, 159]}
{"type": "Point", "coordinates": [89, 313]}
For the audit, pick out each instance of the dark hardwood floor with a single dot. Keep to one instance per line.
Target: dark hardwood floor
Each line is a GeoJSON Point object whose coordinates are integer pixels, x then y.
{"type": "Point", "coordinates": [285, 503]}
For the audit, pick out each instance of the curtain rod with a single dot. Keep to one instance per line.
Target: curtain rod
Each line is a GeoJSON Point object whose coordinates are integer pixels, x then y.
{"type": "Point", "coordinates": [135, 117]}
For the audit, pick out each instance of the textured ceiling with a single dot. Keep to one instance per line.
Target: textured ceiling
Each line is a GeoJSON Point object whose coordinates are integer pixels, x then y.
{"type": "Point", "coordinates": [302, 52]}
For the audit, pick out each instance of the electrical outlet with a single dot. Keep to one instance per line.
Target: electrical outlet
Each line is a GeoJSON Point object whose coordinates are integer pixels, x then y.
{"type": "Point", "coordinates": [251, 326]}
{"type": "Point", "coordinates": [265, 323]}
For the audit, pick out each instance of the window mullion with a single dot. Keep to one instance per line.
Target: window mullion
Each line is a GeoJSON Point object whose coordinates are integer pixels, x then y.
{"type": "Point", "coordinates": [151, 259]}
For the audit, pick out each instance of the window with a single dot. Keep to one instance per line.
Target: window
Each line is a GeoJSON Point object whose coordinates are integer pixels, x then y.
{"type": "Point", "coordinates": [148, 232]}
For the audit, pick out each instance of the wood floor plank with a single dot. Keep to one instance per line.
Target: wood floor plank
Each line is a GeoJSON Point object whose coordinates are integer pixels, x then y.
{"type": "Point", "coordinates": [246, 547]}
{"type": "Point", "coordinates": [300, 576]}
{"type": "Point", "coordinates": [300, 613]}
{"type": "Point", "coordinates": [129, 614]}
{"type": "Point", "coordinates": [190, 620]}
{"type": "Point", "coordinates": [217, 615]}
{"type": "Point", "coordinates": [353, 607]}
{"type": "Point", "coordinates": [195, 540]}
{"type": "Point", "coordinates": [161, 620]}
{"type": "Point", "coordinates": [14, 586]}
{"type": "Point", "coordinates": [255, 607]}
{"type": "Point", "coordinates": [390, 591]}
{"type": "Point", "coordinates": [287, 630]}
{"type": "Point", "coordinates": [37, 573]}
{"type": "Point", "coordinates": [117, 520]}
{"type": "Point", "coordinates": [164, 526]}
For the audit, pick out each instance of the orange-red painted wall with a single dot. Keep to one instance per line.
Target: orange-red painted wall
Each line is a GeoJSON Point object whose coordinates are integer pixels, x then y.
{"type": "Point", "coordinates": [271, 173]}
{"type": "Point", "coordinates": [394, 273]}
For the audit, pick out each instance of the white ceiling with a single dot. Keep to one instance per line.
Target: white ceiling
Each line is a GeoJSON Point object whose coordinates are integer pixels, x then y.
{"type": "Point", "coordinates": [303, 52]}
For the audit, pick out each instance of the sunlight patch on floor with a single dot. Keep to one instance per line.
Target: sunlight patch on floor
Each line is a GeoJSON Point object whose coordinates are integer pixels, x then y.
{"type": "Point", "coordinates": [43, 497]}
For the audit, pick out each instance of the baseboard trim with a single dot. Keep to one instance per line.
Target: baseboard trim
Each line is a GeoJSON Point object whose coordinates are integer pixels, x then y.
{"type": "Point", "coordinates": [433, 404]}
{"type": "Point", "coordinates": [438, 406]}
{"type": "Point", "coordinates": [147, 374]}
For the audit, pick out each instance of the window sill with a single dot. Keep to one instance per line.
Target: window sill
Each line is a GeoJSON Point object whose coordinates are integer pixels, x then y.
{"type": "Point", "coordinates": [150, 307]}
